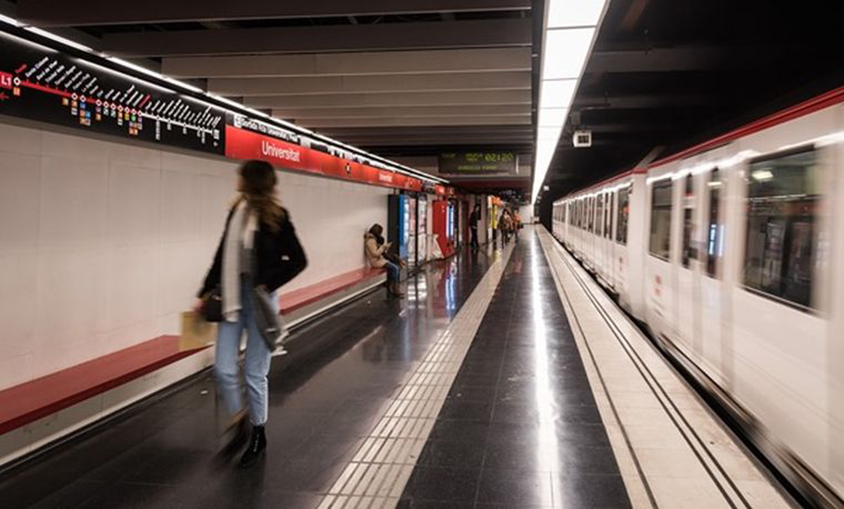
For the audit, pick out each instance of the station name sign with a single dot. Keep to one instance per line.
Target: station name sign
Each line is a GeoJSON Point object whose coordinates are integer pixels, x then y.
{"type": "Point", "coordinates": [478, 162]}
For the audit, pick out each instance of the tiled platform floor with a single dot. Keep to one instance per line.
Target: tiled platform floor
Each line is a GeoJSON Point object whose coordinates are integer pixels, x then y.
{"type": "Point", "coordinates": [520, 427]}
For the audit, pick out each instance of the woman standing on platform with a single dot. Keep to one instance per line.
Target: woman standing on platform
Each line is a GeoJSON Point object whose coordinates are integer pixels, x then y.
{"type": "Point", "coordinates": [259, 247]}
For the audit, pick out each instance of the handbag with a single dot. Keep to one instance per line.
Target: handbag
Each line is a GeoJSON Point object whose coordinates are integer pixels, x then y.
{"type": "Point", "coordinates": [212, 305]}
{"type": "Point", "coordinates": [197, 333]}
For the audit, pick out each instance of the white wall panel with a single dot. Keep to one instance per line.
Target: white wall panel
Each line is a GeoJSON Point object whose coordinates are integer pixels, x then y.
{"type": "Point", "coordinates": [20, 180]}
{"type": "Point", "coordinates": [102, 244]}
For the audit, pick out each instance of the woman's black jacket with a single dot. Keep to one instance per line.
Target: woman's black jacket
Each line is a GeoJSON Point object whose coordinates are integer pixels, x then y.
{"type": "Point", "coordinates": [280, 256]}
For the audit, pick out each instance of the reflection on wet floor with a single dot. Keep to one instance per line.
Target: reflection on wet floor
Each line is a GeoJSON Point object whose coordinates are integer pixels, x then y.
{"type": "Point", "coordinates": [160, 455]}
{"type": "Point", "coordinates": [520, 426]}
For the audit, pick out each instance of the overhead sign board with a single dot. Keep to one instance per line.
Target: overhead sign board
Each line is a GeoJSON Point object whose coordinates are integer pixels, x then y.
{"type": "Point", "coordinates": [42, 84]}
{"type": "Point", "coordinates": [478, 162]}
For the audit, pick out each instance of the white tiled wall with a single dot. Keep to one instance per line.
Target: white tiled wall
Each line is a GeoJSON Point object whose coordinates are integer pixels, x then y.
{"type": "Point", "coordinates": [102, 244]}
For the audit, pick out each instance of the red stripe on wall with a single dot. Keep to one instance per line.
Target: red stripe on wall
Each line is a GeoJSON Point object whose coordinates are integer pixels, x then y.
{"type": "Point", "coordinates": [242, 144]}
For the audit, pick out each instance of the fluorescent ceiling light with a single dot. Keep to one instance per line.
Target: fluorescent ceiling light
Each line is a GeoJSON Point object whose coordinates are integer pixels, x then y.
{"type": "Point", "coordinates": [564, 52]}
{"type": "Point", "coordinates": [557, 93]}
{"type": "Point", "coordinates": [66, 42]}
{"type": "Point", "coordinates": [134, 67]}
{"type": "Point", "coordinates": [183, 84]}
{"type": "Point", "coordinates": [551, 134]}
{"type": "Point", "coordinates": [7, 19]}
{"type": "Point", "coordinates": [574, 13]}
{"type": "Point", "coordinates": [552, 117]}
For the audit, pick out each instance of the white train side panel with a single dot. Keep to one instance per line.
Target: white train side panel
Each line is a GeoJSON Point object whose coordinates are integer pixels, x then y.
{"type": "Point", "coordinates": [735, 256]}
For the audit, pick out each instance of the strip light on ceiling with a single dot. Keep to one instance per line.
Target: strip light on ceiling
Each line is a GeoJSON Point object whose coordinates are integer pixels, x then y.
{"type": "Point", "coordinates": [570, 27]}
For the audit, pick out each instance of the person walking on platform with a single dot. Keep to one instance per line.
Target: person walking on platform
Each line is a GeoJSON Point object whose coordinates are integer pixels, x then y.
{"type": "Point", "coordinates": [474, 217]}
{"type": "Point", "coordinates": [505, 224]}
{"type": "Point", "coordinates": [258, 249]}
{"type": "Point", "coordinates": [377, 252]}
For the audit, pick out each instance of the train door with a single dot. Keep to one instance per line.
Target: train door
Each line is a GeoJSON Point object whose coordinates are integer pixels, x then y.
{"type": "Point", "coordinates": [621, 261]}
{"type": "Point", "coordinates": [711, 289]}
{"type": "Point", "coordinates": [687, 295]}
{"type": "Point", "coordinates": [781, 266]}
{"type": "Point", "coordinates": [659, 276]}
{"type": "Point", "coordinates": [599, 231]}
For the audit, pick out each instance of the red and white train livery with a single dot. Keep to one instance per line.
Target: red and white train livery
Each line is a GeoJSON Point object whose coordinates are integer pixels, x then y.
{"type": "Point", "coordinates": [732, 254]}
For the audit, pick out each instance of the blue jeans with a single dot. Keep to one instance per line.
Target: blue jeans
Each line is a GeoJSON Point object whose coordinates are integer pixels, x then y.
{"type": "Point", "coordinates": [393, 272]}
{"type": "Point", "coordinates": [257, 365]}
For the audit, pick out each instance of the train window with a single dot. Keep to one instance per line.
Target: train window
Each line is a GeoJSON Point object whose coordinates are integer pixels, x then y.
{"type": "Point", "coordinates": [623, 214]}
{"type": "Point", "coordinates": [599, 217]}
{"type": "Point", "coordinates": [580, 213]}
{"type": "Point", "coordinates": [715, 230]}
{"type": "Point", "coordinates": [609, 215]}
{"type": "Point", "coordinates": [583, 213]}
{"type": "Point", "coordinates": [660, 241]}
{"type": "Point", "coordinates": [594, 214]}
{"type": "Point", "coordinates": [782, 208]}
{"type": "Point", "coordinates": [577, 213]}
{"type": "Point", "coordinates": [688, 252]}
{"type": "Point", "coordinates": [590, 212]}
{"type": "Point", "coordinates": [603, 217]}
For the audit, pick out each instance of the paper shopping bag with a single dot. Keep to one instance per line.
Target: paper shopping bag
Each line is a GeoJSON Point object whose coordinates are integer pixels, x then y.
{"type": "Point", "coordinates": [196, 332]}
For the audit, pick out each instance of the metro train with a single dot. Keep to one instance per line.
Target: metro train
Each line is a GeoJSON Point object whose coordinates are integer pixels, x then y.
{"type": "Point", "coordinates": [732, 254]}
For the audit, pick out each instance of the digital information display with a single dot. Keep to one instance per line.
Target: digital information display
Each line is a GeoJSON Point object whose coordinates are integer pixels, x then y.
{"type": "Point", "coordinates": [478, 162]}
{"type": "Point", "coordinates": [42, 84]}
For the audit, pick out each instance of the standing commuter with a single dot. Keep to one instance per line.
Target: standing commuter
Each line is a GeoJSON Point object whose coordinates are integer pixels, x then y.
{"type": "Point", "coordinates": [376, 251]}
{"type": "Point", "coordinates": [258, 246]}
{"type": "Point", "coordinates": [474, 217]}
{"type": "Point", "coordinates": [504, 224]}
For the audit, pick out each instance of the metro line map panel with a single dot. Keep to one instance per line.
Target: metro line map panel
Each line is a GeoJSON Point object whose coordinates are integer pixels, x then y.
{"type": "Point", "coordinates": [39, 83]}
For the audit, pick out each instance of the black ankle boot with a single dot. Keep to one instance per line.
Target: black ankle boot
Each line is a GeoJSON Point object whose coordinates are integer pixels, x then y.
{"type": "Point", "coordinates": [257, 446]}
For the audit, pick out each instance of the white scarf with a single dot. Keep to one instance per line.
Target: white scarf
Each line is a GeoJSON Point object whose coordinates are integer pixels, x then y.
{"type": "Point", "coordinates": [239, 236]}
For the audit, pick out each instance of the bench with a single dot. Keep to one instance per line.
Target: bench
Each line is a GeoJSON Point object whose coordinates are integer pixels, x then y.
{"type": "Point", "coordinates": [303, 297]}
{"type": "Point", "coordinates": [27, 402]}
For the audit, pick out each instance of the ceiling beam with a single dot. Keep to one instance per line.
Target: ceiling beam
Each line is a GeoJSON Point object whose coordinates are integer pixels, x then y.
{"type": "Point", "coordinates": [323, 39]}
{"type": "Point", "coordinates": [454, 98]}
{"type": "Point", "coordinates": [97, 12]}
{"type": "Point", "coordinates": [296, 114]}
{"type": "Point", "coordinates": [245, 87]}
{"type": "Point", "coordinates": [416, 121]}
{"type": "Point", "coordinates": [350, 64]}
